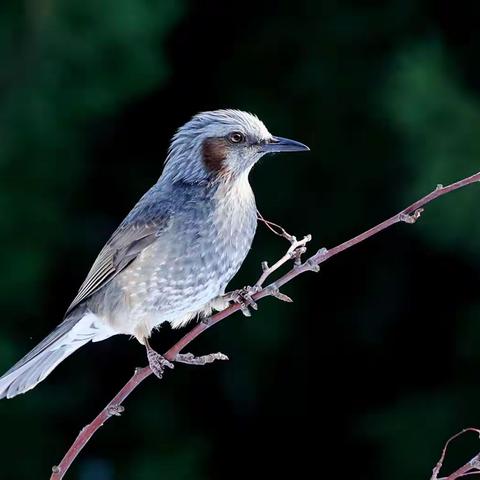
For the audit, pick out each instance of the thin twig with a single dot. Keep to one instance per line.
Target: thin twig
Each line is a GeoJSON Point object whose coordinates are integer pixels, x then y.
{"type": "Point", "coordinates": [408, 215]}
{"type": "Point", "coordinates": [296, 250]}
{"type": "Point", "coordinates": [473, 464]}
{"type": "Point", "coordinates": [273, 227]}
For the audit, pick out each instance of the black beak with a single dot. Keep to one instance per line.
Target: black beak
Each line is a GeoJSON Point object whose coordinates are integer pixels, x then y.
{"type": "Point", "coordinates": [279, 144]}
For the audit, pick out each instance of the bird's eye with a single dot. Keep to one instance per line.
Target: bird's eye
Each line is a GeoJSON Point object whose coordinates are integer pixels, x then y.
{"type": "Point", "coordinates": [236, 137]}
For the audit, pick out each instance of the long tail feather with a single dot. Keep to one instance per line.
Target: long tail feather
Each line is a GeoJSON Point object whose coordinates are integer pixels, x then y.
{"type": "Point", "coordinates": [74, 332]}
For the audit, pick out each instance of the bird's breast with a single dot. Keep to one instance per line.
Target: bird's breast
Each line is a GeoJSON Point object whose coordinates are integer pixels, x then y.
{"type": "Point", "coordinates": [192, 263]}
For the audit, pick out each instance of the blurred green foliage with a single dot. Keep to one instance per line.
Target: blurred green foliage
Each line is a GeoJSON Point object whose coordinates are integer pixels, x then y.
{"type": "Point", "coordinates": [376, 361]}
{"type": "Point", "coordinates": [69, 64]}
{"type": "Point", "coordinates": [439, 121]}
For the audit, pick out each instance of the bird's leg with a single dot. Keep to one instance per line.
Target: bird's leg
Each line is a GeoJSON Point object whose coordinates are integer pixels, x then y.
{"type": "Point", "coordinates": [191, 359]}
{"type": "Point", "coordinates": [156, 361]}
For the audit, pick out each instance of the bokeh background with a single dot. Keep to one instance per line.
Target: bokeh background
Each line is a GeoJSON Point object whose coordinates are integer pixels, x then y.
{"type": "Point", "coordinates": [377, 361]}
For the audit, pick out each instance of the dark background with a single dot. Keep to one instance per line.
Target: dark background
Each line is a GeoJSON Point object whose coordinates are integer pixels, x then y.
{"type": "Point", "coordinates": [377, 362]}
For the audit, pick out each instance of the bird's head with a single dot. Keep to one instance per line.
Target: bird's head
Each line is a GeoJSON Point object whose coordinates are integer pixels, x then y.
{"type": "Point", "coordinates": [222, 144]}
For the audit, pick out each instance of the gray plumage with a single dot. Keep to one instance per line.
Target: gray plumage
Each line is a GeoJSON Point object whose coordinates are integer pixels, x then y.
{"type": "Point", "coordinates": [172, 257]}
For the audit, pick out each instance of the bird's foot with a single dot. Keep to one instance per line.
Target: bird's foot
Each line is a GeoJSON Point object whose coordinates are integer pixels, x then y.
{"type": "Point", "coordinates": [191, 359]}
{"type": "Point", "coordinates": [157, 362]}
{"type": "Point", "coordinates": [244, 298]}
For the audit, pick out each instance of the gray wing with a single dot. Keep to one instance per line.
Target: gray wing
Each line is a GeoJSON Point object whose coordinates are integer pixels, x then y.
{"type": "Point", "coordinates": [140, 229]}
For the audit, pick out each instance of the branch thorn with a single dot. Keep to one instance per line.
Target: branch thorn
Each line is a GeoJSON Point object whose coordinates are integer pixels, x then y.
{"type": "Point", "coordinates": [115, 410]}
{"type": "Point", "coordinates": [274, 291]}
{"type": "Point", "coordinates": [411, 218]}
{"type": "Point", "coordinates": [312, 265]}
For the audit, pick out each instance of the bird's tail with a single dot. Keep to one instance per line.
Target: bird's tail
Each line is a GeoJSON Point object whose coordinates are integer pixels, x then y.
{"type": "Point", "coordinates": [74, 332]}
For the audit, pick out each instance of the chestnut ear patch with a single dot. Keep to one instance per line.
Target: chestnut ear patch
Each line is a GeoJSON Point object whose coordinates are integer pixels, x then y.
{"type": "Point", "coordinates": [214, 151]}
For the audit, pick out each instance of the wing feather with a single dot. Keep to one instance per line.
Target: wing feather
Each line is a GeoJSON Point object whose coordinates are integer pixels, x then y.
{"type": "Point", "coordinates": [139, 230]}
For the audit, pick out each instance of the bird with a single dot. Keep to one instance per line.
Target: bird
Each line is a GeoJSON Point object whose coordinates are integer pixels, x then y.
{"type": "Point", "coordinates": [171, 258]}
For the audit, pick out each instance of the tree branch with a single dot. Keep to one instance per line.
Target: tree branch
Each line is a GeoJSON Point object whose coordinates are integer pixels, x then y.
{"type": "Point", "coordinates": [115, 408]}
{"type": "Point", "coordinates": [472, 467]}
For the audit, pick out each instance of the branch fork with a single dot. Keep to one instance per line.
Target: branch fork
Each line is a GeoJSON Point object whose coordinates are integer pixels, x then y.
{"type": "Point", "coordinates": [244, 297]}
{"type": "Point", "coordinates": [296, 250]}
{"type": "Point", "coordinates": [472, 467]}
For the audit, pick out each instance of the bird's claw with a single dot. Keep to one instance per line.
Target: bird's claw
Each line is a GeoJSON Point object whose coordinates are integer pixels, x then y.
{"type": "Point", "coordinates": [157, 363]}
{"type": "Point", "coordinates": [244, 298]}
{"type": "Point", "coordinates": [191, 359]}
